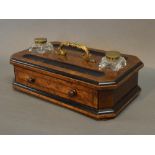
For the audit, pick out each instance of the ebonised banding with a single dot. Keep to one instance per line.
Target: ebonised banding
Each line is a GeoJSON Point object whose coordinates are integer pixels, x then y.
{"type": "Point", "coordinates": [63, 65]}
{"type": "Point", "coordinates": [75, 76]}
{"type": "Point", "coordinates": [66, 101]}
{"type": "Point", "coordinates": [132, 94]}
{"type": "Point", "coordinates": [55, 71]}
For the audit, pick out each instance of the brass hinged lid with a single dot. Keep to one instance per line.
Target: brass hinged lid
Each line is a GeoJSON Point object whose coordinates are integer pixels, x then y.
{"type": "Point", "coordinates": [113, 55]}
{"type": "Point", "coordinates": [74, 66]}
{"type": "Point", "coordinates": [40, 40]}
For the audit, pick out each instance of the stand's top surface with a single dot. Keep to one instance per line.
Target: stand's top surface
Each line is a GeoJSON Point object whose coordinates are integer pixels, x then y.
{"type": "Point", "coordinates": [73, 66]}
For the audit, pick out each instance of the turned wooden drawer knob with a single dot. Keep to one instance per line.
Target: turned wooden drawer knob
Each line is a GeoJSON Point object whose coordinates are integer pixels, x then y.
{"type": "Point", "coordinates": [72, 93]}
{"type": "Point", "coordinates": [31, 80]}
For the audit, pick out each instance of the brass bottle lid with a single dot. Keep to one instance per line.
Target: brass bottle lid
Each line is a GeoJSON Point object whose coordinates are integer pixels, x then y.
{"type": "Point", "coordinates": [113, 55]}
{"type": "Point", "coordinates": [40, 40]}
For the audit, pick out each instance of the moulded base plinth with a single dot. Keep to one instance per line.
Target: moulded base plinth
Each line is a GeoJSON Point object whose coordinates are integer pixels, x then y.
{"type": "Point", "coordinates": [89, 111]}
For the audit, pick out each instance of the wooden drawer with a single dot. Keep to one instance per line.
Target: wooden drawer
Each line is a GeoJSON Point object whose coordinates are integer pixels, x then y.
{"type": "Point", "coordinates": [72, 91]}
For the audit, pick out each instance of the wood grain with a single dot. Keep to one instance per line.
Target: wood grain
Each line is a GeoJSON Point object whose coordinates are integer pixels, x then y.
{"type": "Point", "coordinates": [75, 83]}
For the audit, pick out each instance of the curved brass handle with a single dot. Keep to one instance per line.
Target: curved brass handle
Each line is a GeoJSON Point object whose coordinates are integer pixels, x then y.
{"type": "Point", "coordinates": [86, 56]}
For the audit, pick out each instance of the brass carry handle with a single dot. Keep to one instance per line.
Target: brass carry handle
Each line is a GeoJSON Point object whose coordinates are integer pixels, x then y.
{"type": "Point", "coordinates": [86, 56]}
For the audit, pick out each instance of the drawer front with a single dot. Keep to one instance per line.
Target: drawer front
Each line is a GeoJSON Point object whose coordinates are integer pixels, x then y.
{"type": "Point", "coordinates": [59, 87]}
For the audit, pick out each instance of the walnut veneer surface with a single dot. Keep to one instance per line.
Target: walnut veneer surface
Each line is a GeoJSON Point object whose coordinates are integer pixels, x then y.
{"type": "Point", "coordinates": [25, 114]}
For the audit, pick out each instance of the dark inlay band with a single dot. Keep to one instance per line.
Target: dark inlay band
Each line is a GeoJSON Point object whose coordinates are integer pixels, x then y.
{"type": "Point", "coordinates": [66, 101]}
{"type": "Point", "coordinates": [78, 77]}
{"type": "Point", "coordinates": [64, 65]}
{"type": "Point", "coordinates": [123, 101]}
